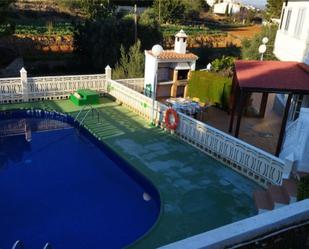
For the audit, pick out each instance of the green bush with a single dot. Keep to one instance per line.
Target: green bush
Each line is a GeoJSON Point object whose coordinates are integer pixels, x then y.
{"type": "Point", "coordinates": [303, 188]}
{"type": "Point", "coordinates": [210, 87]}
{"type": "Point", "coordinates": [223, 65]}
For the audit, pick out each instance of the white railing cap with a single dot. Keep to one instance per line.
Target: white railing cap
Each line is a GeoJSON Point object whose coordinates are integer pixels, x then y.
{"type": "Point", "coordinates": [23, 70]}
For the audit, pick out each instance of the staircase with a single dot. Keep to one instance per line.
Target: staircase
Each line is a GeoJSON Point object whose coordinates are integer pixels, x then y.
{"type": "Point", "coordinates": [276, 196]}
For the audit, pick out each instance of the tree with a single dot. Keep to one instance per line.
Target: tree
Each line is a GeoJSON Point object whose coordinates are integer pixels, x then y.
{"type": "Point", "coordinates": [193, 8]}
{"type": "Point", "coordinates": [98, 43]}
{"type": "Point", "coordinates": [250, 48]}
{"type": "Point", "coordinates": [273, 8]}
{"type": "Point", "coordinates": [131, 64]}
{"type": "Point", "coordinates": [97, 9]}
{"type": "Point", "coordinates": [169, 11]}
{"type": "Point", "coordinates": [4, 9]}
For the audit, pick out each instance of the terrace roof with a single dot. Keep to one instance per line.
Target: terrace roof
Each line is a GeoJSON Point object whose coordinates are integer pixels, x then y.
{"type": "Point", "coordinates": [273, 76]}
{"type": "Point", "coordinates": [267, 77]}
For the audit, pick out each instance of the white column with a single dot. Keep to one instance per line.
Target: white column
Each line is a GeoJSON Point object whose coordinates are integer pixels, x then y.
{"type": "Point", "coordinates": [24, 83]}
{"type": "Point", "coordinates": [108, 72]}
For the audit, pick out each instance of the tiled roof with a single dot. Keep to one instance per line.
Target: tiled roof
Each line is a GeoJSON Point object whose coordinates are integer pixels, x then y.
{"type": "Point", "coordinates": [172, 55]}
{"type": "Point", "coordinates": [273, 75]}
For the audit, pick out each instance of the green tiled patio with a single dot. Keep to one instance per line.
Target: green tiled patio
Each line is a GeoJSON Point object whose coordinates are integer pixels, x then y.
{"type": "Point", "coordinates": [197, 192]}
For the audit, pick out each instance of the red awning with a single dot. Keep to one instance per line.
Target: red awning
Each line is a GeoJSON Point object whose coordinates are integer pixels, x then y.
{"type": "Point", "coordinates": [273, 76]}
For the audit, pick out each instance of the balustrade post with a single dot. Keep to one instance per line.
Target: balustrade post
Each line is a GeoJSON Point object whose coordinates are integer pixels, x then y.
{"type": "Point", "coordinates": [108, 72]}
{"type": "Point", "coordinates": [24, 84]}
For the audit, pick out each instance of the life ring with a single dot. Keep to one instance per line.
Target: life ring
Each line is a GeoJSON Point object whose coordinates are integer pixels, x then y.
{"type": "Point", "coordinates": [171, 125]}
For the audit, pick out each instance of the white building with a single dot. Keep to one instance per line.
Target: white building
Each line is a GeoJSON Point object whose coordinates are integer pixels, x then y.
{"type": "Point", "coordinates": [211, 2]}
{"type": "Point", "coordinates": [292, 44]}
{"type": "Point", "coordinates": [227, 6]}
{"type": "Point", "coordinates": [292, 39]}
{"type": "Point", "coordinates": [171, 68]}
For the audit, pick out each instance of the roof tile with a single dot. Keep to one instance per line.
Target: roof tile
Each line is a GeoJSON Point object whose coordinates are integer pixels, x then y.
{"type": "Point", "coordinates": [172, 55]}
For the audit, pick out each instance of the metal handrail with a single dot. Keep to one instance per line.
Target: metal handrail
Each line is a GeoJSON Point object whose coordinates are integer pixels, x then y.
{"type": "Point", "coordinates": [81, 112]}
{"type": "Point", "coordinates": [19, 245]}
{"type": "Point", "coordinates": [92, 111]}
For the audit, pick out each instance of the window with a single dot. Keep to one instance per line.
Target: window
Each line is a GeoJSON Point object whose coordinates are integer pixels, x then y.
{"type": "Point", "coordinates": [282, 17]}
{"type": "Point", "coordinates": [287, 21]}
{"type": "Point", "coordinates": [299, 22]}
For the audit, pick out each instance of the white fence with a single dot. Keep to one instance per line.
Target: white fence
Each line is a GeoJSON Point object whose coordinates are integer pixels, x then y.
{"type": "Point", "coordinates": [135, 84]}
{"type": "Point", "coordinates": [130, 98]}
{"type": "Point", "coordinates": [256, 164]}
{"type": "Point", "coordinates": [52, 87]}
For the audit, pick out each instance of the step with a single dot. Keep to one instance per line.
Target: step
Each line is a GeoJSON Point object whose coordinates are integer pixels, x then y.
{"type": "Point", "coordinates": [290, 187]}
{"type": "Point", "coordinates": [278, 196]}
{"type": "Point", "coordinates": [262, 201]}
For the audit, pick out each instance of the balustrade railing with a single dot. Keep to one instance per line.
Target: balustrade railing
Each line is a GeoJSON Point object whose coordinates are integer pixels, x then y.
{"type": "Point", "coordinates": [136, 84]}
{"type": "Point", "coordinates": [130, 98]}
{"type": "Point", "coordinates": [11, 89]}
{"type": "Point", "coordinates": [51, 87]}
{"type": "Point", "coordinates": [256, 164]}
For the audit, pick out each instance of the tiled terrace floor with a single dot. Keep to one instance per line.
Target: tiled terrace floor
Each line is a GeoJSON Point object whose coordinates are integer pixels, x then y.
{"type": "Point", "coordinates": [260, 132]}
{"type": "Point", "coordinates": [197, 192]}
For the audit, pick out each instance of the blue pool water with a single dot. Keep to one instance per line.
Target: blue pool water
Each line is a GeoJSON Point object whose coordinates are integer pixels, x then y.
{"type": "Point", "coordinates": [62, 188]}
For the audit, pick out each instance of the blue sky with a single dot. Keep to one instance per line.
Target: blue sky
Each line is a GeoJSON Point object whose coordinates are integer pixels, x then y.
{"type": "Point", "coordinates": [258, 3]}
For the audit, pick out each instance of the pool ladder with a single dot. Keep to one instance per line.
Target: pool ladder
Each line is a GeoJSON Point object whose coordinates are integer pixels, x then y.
{"type": "Point", "coordinates": [19, 245]}
{"type": "Point", "coordinates": [92, 110]}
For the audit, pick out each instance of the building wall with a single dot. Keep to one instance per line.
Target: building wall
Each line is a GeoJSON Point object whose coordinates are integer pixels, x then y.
{"type": "Point", "coordinates": [292, 39]}
{"type": "Point", "coordinates": [151, 65]}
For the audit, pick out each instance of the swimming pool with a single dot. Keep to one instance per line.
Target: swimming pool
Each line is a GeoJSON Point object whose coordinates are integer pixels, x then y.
{"type": "Point", "coordinates": [64, 187]}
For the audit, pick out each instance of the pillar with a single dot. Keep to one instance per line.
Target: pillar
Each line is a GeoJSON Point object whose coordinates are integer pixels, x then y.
{"type": "Point", "coordinates": [108, 72]}
{"type": "Point", "coordinates": [174, 86]}
{"type": "Point", "coordinates": [24, 83]}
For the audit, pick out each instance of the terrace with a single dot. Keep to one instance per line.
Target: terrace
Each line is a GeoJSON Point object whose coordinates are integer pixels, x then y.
{"type": "Point", "coordinates": [196, 169]}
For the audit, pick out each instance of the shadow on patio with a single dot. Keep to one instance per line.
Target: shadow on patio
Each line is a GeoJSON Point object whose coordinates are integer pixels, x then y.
{"type": "Point", "coordinates": [260, 132]}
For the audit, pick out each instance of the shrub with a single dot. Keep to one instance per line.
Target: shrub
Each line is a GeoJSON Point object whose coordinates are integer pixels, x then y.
{"type": "Point", "coordinates": [223, 65]}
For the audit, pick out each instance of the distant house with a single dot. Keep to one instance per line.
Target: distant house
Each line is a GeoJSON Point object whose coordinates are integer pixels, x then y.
{"type": "Point", "coordinates": [211, 2]}
{"type": "Point", "coordinates": [227, 7]}
{"type": "Point", "coordinates": [169, 71]}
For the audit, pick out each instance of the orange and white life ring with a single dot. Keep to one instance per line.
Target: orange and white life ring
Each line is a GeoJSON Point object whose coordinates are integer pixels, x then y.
{"type": "Point", "coordinates": [171, 119]}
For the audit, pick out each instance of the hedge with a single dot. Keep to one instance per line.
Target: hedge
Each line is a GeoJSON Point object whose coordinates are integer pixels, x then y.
{"type": "Point", "coordinates": [210, 87]}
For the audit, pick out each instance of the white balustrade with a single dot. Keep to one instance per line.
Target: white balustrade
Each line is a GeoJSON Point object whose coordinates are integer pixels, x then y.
{"type": "Point", "coordinates": [11, 90]}
{"type": "Point", "coordinates": [256, 164]}
{"type": "Point", "coordinates": [136, 84]}
{"type": "Point", "coordinates": [132, 99]}
{"type": "Point", "coordinates": [51, 87]}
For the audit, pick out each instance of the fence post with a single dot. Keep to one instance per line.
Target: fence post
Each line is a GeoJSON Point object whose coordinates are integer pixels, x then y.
{"type": "Point", "coordinates": [108, 72]}
{"type": "Point", "coordinates": [24, 84]}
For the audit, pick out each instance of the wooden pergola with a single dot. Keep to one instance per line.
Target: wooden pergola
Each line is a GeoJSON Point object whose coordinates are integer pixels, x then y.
{"type": "Point", "coordinates": [291, 78]}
